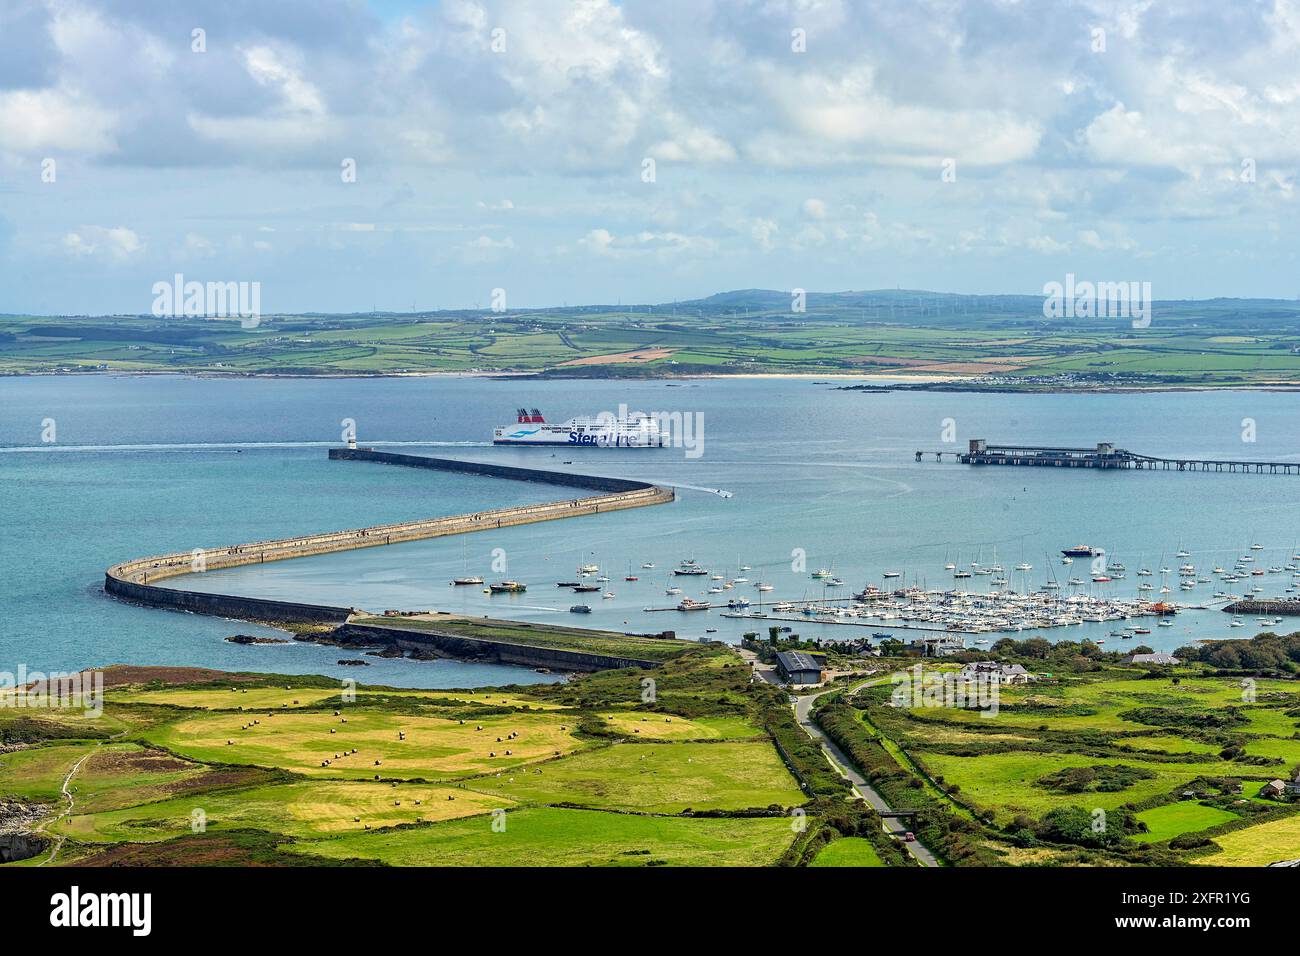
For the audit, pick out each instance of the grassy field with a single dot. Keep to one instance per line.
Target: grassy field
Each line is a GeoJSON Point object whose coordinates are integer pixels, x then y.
{"type": "Point", "coordinates": [1259, 845]}
{"type": "Point", "coordinates": [1103, 739]}
{"type": "Point", "coordinates": [584, 773]}
{"type": "Point", "coordinates": [256, 770]}
{"type": "Point", "coordinates": [1175, 819]}
{"type": "Point", "coordinates": [37, 774]}
{"type": "Point", "coordinates": [433, 748]}
{"type": "Point", "coordinates": [656, 778]}
{"type": "Point", "coordinates": [548, 836]}
{"type": "Point", "coordinates": [1187, 343]}
{"type": "Point", "coordinates": [1008, 782]}
{"type": "Point", "coordinates": [656, 727]}
{"type": "Point", "coordinates": [849, 851]}
{"type": "Point", "coordinates": [298, 809]}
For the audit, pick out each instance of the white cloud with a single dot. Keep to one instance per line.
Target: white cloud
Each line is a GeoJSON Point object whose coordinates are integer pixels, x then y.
{"type": "Point", "coordinates": [814, 208]}
{"type": "Point", "coordinates": [118, 243]}
{"type": "Point", "coordinates": [34, 120]}
{"type": "Point", "coordinates": [660, 245]}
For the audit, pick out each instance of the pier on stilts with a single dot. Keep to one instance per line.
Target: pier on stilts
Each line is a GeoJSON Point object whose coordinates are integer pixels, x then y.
{"type": "Point", "coordinates": [1105, 456]}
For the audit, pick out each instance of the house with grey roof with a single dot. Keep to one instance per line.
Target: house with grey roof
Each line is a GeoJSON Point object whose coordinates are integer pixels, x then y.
{"type": "Point", "coordinates": [1156, 658]}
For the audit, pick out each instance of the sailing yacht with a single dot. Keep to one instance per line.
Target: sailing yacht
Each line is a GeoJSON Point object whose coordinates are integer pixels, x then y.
{"type": "Point", "coordinates": [466, 577]}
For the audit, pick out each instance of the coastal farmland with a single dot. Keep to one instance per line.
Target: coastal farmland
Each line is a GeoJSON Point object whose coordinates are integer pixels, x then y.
{"type": "Point", "coordinates": [1124, 764]}
{"type": "Point", "coordinates": [711, 768]}
{"type": "Point", "coordinates": [289, 770]}
{"type": "Point", "coordinates": [1192, 344]}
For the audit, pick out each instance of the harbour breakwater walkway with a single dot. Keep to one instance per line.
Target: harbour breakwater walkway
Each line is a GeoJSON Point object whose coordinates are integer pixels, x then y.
{"type": "Point", "coordinates": [139, 580]}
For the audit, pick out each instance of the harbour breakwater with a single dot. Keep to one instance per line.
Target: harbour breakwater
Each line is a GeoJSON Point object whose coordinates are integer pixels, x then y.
{"type": "Point", "coordinates": [1286, 606]}
{"type": "Point", "coordinates": [138, 580]}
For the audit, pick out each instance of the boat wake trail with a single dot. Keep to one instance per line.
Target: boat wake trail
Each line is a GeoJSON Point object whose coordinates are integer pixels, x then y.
{"type": "Point", "coordinates": [239, 445]}
{"type": "Point", "coordinates": [721, 493]}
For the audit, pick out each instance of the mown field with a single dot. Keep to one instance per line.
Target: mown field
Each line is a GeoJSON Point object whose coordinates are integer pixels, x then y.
{"type": "Point", "coordinates": [288, 771]}
{"type": "Point", "coordinates": [1188, 343]}
{"type": "Point", "coordinates": [1100, 764]}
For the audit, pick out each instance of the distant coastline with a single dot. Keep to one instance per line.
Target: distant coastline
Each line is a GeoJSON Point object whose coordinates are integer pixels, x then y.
{"type": "Point", "coordinates": [867, 381]}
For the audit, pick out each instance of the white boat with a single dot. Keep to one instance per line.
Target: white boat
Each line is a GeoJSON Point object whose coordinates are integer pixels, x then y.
{"type": "Point", "coordinates": [892, 574]}
{"type": "Point", "coordinates": [626, 430]}
{"type": "Point", "coordinates": [764, 587]}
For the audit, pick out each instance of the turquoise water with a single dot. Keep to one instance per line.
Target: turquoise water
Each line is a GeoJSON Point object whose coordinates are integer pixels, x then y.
{"type": "Point", "coordinates": [809, 467]}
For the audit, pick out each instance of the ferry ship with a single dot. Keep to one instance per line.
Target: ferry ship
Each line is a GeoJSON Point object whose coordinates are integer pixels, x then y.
{"type": "Point", "coordinates": [635, 430]}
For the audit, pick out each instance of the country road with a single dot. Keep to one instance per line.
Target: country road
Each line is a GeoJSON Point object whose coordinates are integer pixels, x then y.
{"type": "Point", "coordinates": [862, 789]}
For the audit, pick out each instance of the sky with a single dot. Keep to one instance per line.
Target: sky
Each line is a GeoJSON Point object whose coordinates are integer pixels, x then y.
{"type": "Point", "coordinates": [349, 155]}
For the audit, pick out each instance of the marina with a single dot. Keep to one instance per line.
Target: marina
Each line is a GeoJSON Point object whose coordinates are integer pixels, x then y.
{"type": "Point", "coordinates": [866, 509]}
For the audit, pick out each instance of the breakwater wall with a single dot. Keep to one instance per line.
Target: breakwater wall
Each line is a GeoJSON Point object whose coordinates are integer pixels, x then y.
{"type": "Point", "coordinates": [1289, 606]}
{"type": "Point", "coordinates": [462, 647]}
{"type": "Point", "coordinates": [138, 580]}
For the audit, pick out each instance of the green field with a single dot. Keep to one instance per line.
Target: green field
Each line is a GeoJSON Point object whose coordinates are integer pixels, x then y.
{"type": "Point", "coordinates": [38, 774]}
{"type": "Point", "coordinates": [1218, 342]}
{"type": "Point", "coordinates": [433, 748]}
{"type": "Point", "coordinates": [656, 778]}
{"type": "Point", "coordinates": [1259, 845]}
{"type": "Point", "coordinates": [298, 809]}
{"type": "Point", "coordinates": [849, 851]}
{"type": "Point", "coordinates": [246, 768]}
{"type": "Point", "coordinates": [1175, 819]}
{"type": "Point", "coordinates": [1165, 756]}
{"type": "Point", "coordinates": [543, 836]}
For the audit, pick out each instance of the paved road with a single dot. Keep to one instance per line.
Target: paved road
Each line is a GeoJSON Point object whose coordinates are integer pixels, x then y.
{"type": "Point", "coordinates": [862, 790]}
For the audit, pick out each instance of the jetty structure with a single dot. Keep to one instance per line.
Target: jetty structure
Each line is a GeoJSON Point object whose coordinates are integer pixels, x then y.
{"type": "Point", "coordinates": [139, 580]}
{"type": "Point", "coordinates": [1105, 455]}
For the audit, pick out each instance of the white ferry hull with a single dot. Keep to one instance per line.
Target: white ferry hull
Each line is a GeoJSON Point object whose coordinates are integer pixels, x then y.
{"type": "Point", "coordinates": [584, 433]}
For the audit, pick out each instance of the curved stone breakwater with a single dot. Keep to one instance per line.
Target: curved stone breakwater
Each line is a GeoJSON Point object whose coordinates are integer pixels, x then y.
{"type": "Point", "coordinates": [138, 580]}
